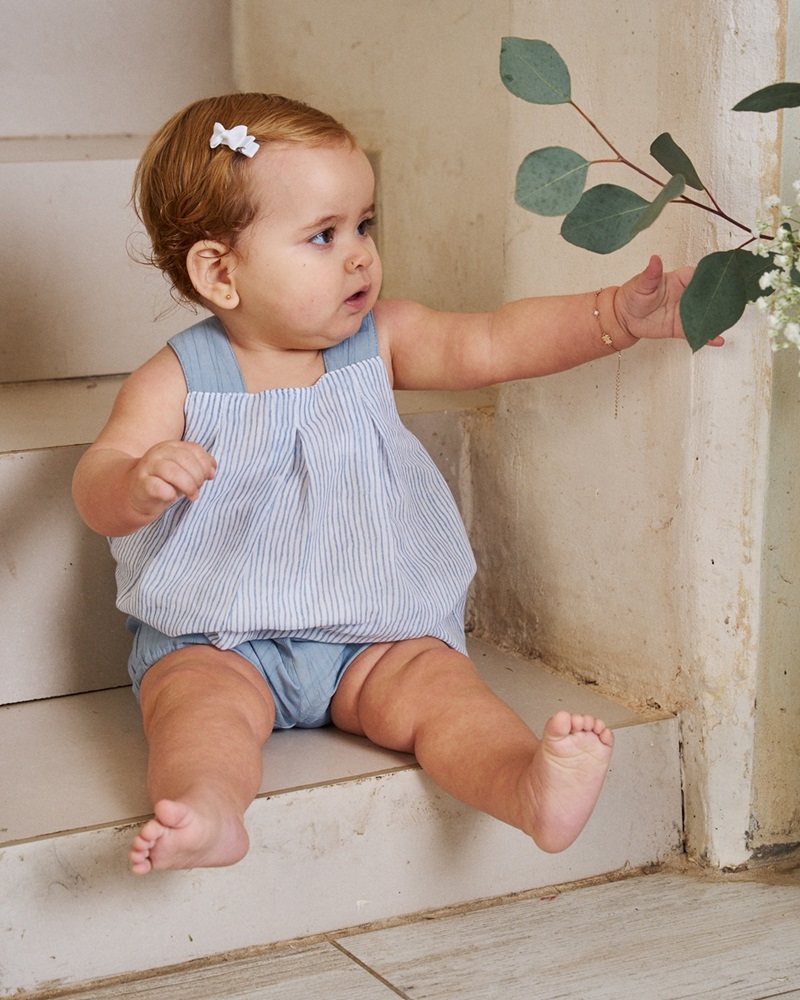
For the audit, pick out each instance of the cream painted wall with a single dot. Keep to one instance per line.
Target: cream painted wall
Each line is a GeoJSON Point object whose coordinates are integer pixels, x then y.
{"type": "Point", "coordinates": [625, 551]}
{"type": "Point", "coordinates": [776, 777]}
{"type": "Point", "coordinates": [84, 83]}
{"type": "Point", "coordinates": [643, 535]}
{"type": "Point", "coordinates": [418, 83]}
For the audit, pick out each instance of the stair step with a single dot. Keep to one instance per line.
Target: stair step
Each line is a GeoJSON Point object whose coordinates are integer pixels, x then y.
{"type": "Point", "coordinates": [343, 833]}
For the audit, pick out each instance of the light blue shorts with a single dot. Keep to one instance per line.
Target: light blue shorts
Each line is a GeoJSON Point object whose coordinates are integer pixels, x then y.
{"type": "Point", "coordinates": [302, 675]}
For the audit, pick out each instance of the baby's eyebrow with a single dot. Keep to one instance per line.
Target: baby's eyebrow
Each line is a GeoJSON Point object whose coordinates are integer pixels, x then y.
{"type": "Point", "coordinates": [325, 222]}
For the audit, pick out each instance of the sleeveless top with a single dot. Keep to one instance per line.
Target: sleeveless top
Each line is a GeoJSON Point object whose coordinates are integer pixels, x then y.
{"type": "Point", "coordinates": [326, 520]}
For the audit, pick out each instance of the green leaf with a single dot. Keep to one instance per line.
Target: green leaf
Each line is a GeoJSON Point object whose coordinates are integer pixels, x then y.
{"type": "Point", "coordinates": [674, 188]}
{"type": "Point", "coordinates": [534, 71]}
{"type": "Point", "coordinates": [672, 158]}
{"type": "Point", "coordinates": [778, 95]}
{"type": "Point", "coordinates": [550, 181]}
{"type": "Point", "coordinates": [603, 219]}
{"type": "Point", "coordinates": [714, 299]}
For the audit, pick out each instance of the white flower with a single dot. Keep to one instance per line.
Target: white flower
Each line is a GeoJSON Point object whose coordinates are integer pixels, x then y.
{"type": "Point", "coordinates": [773, 201]}
{"type": "Point", "coordinates": [767, 279]}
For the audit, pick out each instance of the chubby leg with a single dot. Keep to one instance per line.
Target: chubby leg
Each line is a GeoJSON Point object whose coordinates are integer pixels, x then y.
{"type": "Point", "coordinates": [207, 714]}
{"type": "Point", "coordinates": [421, 697]}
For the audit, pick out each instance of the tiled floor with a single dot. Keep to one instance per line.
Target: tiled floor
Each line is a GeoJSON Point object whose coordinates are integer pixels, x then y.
{"type": "Point", "coordinates": [664, 936]}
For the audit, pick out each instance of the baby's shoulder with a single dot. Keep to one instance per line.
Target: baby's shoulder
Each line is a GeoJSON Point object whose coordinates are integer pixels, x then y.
{"type": "Point", "coordinates": [393, 316]}
{"type": "Point", "coordinates": [158, 384]}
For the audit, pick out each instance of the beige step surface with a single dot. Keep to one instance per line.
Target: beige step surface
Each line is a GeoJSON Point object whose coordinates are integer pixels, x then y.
{"type": "Point", "coordinates": [343, 833]}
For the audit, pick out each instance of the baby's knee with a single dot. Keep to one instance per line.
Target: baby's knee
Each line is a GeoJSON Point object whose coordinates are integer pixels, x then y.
{"type": "Point", "coordinates": [198, 674]}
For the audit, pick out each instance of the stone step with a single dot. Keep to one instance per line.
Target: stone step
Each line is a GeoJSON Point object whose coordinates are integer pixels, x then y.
{"type": "Point", "coordinates": [343, 833]}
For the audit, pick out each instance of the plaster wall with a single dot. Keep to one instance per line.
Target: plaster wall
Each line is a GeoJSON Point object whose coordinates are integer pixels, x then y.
{"type": "Point", "coordinates": [776, 784]}
{"type": "Point", "coordinates": [418, 84]}
{"type": "Point", "coordinates": [85, 83]}
{"type": "Point", "coordinates": [625, 551]}
{"type": "Point", "coordinates": [641, 536]}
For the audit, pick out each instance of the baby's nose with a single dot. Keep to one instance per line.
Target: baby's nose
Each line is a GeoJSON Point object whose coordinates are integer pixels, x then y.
{"type": "Point", "coordinates": [363, 258]}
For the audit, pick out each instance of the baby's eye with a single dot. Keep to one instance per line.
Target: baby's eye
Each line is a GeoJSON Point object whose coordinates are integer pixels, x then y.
{"type": "Point", "coordinates": [365, 225]}
{"type": "Point", "coordinates": [323, 238]}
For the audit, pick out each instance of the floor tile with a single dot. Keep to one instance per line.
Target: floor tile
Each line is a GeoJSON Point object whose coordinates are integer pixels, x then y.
{"type": "Point", "coordinates": [663, 937]}
{"type": "Point", "coordinates": [318, 971]}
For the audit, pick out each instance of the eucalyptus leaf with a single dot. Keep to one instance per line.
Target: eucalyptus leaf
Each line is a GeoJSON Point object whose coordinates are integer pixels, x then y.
{"type": "Point", "coordinates": [674, 188]}
{"type": "Point", "coordinates": [714, 299]}
{"type": "Point", "coordinates": [604, 218]}
{"type": "Point", "coordinates": [550, 181]}
{"type": "Point", "coordinates": [672, 158]}
{"type": "Point", "coordinates": [534, 71]}
{"type": "Point", "coordinates": [772, 98]}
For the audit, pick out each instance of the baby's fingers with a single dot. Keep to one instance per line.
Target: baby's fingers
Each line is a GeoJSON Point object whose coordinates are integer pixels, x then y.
{"type": "Point", "coordinates": [198, 463]}
{"type": "Point", "coordinates": [173, 479]}
{"type": "Point", "coordinates": [171, 470]}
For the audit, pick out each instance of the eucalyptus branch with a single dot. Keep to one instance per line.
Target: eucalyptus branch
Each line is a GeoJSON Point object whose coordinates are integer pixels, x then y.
{"type": "Point", "coordinates": [716, 210]}
{"type": "Point", "coordinates": [552, 181]}
{"type": "Point", "coordinates": [619, 158]}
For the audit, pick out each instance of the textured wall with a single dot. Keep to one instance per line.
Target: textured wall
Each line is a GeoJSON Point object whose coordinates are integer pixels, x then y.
{"type": "Point", "coordinates": [642, 535]}
{"type": "Point", "coordinates": [626, 551]}
{"type": "Point", "coordinates": [418, 83]}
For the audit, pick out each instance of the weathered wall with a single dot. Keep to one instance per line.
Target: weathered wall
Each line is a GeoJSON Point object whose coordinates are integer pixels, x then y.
{"type": "Point", "coordinates": [418, 83]}
{"type": "Point", "coordinates": [626, 551]}
{"type": "Point", "coordinates": [642, 535]}
{"type": "Point", "coordinates": [776, 777]}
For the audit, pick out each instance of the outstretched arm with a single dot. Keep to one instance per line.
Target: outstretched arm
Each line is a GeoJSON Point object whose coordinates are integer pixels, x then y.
{"type": "Point", "coordinates": [530, 337]}
{"type": "Point", "coordinates": [139, 465]}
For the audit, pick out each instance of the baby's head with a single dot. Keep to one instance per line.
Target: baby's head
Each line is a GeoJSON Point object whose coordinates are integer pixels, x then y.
{"type": "Point", "coordinates": [185, 191]}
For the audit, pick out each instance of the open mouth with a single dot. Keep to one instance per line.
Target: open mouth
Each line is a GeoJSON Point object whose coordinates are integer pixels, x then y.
{"type": "Point", "coordinates": [358, 298]}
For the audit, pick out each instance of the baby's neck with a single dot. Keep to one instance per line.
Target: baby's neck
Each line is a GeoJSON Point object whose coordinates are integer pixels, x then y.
{"type": "Point", "coordinates": [278, 369]}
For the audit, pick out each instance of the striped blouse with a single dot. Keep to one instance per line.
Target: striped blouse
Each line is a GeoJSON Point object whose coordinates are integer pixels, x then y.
{"type": "Point", "coordinates": [326, 520]}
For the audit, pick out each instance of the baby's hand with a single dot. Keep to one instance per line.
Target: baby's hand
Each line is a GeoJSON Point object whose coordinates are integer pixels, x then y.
{"type": "Point", "coordinates": [647, 306]}
{"type": "Point", "coordinates": [167, 471]}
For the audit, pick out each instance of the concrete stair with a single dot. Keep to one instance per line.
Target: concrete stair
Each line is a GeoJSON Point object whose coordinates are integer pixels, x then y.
{"type": "Point", "coordinates": [343, 833]}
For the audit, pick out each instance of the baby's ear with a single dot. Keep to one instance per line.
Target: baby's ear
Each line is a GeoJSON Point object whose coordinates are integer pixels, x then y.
{"type": "Point", "coordinates": [210, 268]}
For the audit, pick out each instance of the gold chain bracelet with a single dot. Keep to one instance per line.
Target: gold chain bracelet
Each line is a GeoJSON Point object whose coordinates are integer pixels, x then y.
{"type": "Point", "coordinates": [609, 343]}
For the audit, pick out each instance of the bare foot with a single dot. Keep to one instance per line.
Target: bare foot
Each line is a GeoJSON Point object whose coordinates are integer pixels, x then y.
{"type": "Point", "coordinates": [565, 778]}
{"type": "Point", "coordinates": [182, 837]}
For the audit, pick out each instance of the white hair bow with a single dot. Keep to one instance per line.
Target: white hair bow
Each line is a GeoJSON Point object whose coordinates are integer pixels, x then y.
{"type": "Point", "coordinates": [236, 139]}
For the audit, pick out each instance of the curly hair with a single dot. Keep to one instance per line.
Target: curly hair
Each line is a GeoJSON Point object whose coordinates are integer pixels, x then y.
{"type": "Point", "coordinates": [185, 192]}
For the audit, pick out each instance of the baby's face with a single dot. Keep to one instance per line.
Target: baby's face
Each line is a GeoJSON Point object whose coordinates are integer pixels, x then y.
{"type": "Point", "coordinates": [309, 271]}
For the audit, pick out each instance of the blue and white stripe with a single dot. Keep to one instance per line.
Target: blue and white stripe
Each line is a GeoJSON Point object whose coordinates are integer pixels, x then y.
{"type": "Point", "coordinates": [326, 520]}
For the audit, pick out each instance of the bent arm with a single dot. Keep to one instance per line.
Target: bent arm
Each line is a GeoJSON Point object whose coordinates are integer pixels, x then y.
{"type": "Point", "coordinates": [139, 465]}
